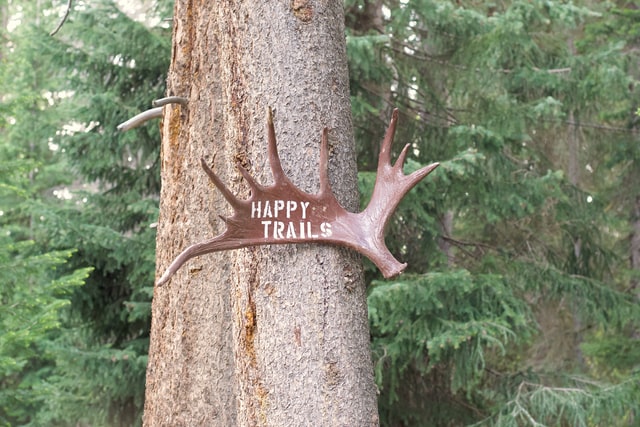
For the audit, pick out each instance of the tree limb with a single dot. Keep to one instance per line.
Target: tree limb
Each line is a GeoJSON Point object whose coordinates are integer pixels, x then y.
{"type": "Point", "coordinates": [63, 20]}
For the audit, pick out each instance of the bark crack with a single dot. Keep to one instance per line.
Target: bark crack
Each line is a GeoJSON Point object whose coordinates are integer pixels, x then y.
{"type": "Point", "coordinates": [255, 391]}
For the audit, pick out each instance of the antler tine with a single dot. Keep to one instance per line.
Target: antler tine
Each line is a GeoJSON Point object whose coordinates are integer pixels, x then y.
{"type": "Point", "coordinates": [325, 188]}
{"type": "Point", "coordinates": [399, 164]}
{"type": "Point", "coordinates": [274, 157]}
{"type": "Point", "coordinates": [253, 184]}
{"type": "Point", "coordinates": [212, 245]}
{"type": "Point", "coordinates": [391, 183]}
{"type": "Point", "coordinates": [228, 195]}
{"type": "Point", "coordinates": [384, 158]}
{"type": "Point", "coordinates": [416, 176]}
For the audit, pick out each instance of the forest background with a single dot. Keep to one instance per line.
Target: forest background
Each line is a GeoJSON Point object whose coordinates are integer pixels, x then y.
{"type": "Point", "coordinates": [520, 304]}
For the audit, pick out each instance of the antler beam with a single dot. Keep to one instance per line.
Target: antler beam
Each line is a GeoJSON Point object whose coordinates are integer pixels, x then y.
{"type": "Point", "coordinates": [282, 213]}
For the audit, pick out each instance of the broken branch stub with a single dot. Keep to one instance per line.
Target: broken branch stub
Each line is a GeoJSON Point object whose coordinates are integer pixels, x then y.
{"type": "Point", "coordinates": [282, 213]}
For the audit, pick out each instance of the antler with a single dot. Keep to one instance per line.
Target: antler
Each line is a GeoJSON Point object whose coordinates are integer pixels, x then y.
{"type": "Point", "coordinates": [282, 213]}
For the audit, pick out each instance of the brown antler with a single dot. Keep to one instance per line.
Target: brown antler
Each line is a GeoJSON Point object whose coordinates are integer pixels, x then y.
{"type": "Point", "coordinates": [282, 213]}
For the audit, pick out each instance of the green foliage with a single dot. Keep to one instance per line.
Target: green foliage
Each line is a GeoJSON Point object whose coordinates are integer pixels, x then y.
{"type": "Point", "coordinates": [613, 353]}
{"type": "Point", "coordinates": [112, 229]}
{"type": "Point", "coordinates": [35, 297]}
{"type": "Point", "coordinates": [525, 104]}
{"type": "Point", "coordinates": [72, 181]}
{"type": "Point", "coordinates": [581, 402]}
{"type": "Point", "coordinates": [36, 284]}
{"type": "Point", "coordinates": [438, 322]}
{"type": "Point", "coordinates": [518, 306]}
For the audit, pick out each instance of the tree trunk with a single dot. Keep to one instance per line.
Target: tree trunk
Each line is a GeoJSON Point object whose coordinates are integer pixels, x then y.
{"type": "Point", "coordinates": [446, 230]}
{"type": "Point", "coordinates": [634, 247]}
{"type": "Point", "coordinates": [270, 335]}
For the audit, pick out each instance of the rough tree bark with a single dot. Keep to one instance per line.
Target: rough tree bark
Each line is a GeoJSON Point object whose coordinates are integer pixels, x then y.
{"type": "Point", "coordinates": [267, 335]}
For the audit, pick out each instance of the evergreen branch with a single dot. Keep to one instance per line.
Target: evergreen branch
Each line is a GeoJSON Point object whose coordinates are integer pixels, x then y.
{"type": "Point", "coordinates": [596, 126]}
{"type": "Point", "coordinates": [423, 56]}
{"type": "Point", "coordinates": [470, 407]}
{"type": "Point", "coordinates": [451, 119]}
{"type": "Point", "coordinates": [411, 107]}
{"type": "Point", "coordinates": [461, 243]}
{"type": "Point", "coordinates": [63, 20]}
{"type": "Point", "coordinates": [139, 119]}
{"type": "Point", "coordinates": [536, 403]}
{"type": "Point", "coordinates": [597, 301]}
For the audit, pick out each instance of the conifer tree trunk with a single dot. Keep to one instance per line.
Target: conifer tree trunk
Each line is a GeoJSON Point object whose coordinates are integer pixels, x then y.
{"type": "Point", "coordinates": [276, 335]}
{"type": "Point", "coordinates": [634, 256]}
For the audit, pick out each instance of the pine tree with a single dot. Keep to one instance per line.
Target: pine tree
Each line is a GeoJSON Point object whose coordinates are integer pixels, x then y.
{"type": "Point", "coordinates": [36, 281]}
{"type": "Point", "coordinates": [614, 354]}
{"type": "Point", "coordinates": [262, 335]}
{"type": "Point", "coordinates": [115, 72]}
{"type": "Point", "coordinates": [99, 69]}
{"type": "Point", "coordinates": [511, 103]}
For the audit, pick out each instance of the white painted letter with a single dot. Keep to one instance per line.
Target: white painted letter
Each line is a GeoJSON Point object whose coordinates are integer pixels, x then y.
{"type": "Point", "coordinates": [291, 206]}
{"type": "Point", "coordinates": [304, 206]}
{"type": "Point", "coordinates": [325, 229]}
{"type": "Point", "coordinates": [277, 207]}
{"type": "Point", "coordinates": [255, 209]}
{"type": "Point", "coordinates": [291, 231]}
{"type": "Point", "coordinates": [267, 210]}
{"type": "Point", "coordinates": [266, 228]}
{"type": "Point", "coordinates": [278, 228]}
{"type": "Point", "coordinates": [309, 233]}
